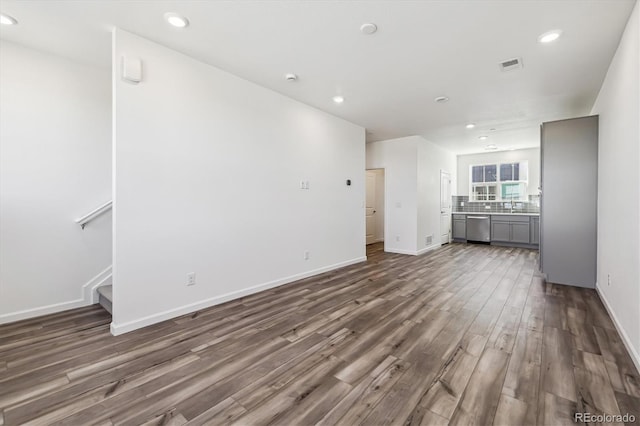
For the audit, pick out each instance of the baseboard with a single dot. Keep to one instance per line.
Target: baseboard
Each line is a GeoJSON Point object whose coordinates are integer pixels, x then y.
{"type": "Point", "coordinates": [117, 329]}
{"type": "Point", "coordinates": [89, 293]}
{"type": "Point", "coordinates": [401, 251]}
{"type": "Point", "coordinates": [42, 310]}
{"type": "Point", "coordinates": [625, 338]}
{"type": "Point", "coordinates": [429, 248]}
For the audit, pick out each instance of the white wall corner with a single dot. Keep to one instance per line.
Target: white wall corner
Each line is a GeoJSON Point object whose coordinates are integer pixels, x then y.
{"type": "Point", "coordinates": [429, 248]}
{"type": "Point", "coordinates": [625, 337]}
{"type": "Point", "coordinates": [89, 290]}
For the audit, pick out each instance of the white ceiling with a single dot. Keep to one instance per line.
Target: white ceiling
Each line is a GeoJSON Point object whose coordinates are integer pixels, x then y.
{"type": "Point", "coordinates": [422, 49]}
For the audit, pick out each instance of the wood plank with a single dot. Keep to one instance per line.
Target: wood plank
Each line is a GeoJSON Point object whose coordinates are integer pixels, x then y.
{"type": "Point", "coordinates": [224, 412]}
{"type": "Point", "coordinates": [446, 390]}
{"type": "Point", "coordinates": [523, 374]}
{"type": "Point", "coordinates": [482, 395]}
{"type": "Point", "coordinates": [512, 411]}
{"type": "Point", "coordinates": [557, 364]}
{"type": "Point", "coordinates": [595, 394]}
{"type": "Point", "coordinates": [629, 405]}
{"type": "Point", "coordinates": [623, 372]}
{"type": "Point", "coordinates": [557, 411]}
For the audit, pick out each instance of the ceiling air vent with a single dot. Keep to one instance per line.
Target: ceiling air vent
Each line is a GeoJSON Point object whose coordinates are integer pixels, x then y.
{"type": "Point", "coordinates": [511, 64]}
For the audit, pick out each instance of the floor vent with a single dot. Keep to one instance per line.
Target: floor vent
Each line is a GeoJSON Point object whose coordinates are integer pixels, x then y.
{"type": "Point", "coordinates": [511, 64]}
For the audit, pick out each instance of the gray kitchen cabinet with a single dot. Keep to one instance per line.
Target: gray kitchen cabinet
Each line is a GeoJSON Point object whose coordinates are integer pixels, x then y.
{"type": "Point", "coordinates": [520, 232]}
{"type": "Point", "coordinates": [569, 181]}
{"type": "Point", "coordinates": [500, 231]}
{"type": "Point", "coordinates": [510, 229]}
{"type": "Point", "coordinates": [459, 227]}
{"type": "Point", "coordinates": [534, 238]}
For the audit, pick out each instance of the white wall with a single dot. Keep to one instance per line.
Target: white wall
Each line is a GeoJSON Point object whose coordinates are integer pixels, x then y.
{"type": "Point", "coordinates": [431, 160]}
{"type": "Point", "coordinates": [412, 190]}
{"type": "Point", "coordinates": [398, 158]}
{"type": "Point", "coordinates": [532, 155]}
{"type": "Point", "coordinates": [55, 165]}
{"type": "Point", "coordinates": [207, 180]}
{"type": "Point", "coordinates": [618, 105]}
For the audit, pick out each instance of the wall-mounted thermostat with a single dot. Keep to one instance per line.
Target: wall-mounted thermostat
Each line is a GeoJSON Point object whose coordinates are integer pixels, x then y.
{"type": "Point", "coordinates": [131, 70]}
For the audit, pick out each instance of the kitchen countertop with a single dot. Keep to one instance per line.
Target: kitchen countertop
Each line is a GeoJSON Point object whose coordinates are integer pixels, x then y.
{"type": "Point", "coordinates": [498, 213]}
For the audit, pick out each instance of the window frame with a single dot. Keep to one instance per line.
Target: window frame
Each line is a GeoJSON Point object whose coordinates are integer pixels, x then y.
{"type": "Point", "coordinates": [498, 183]}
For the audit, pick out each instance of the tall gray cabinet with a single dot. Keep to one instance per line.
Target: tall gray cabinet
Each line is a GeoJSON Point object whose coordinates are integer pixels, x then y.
{"type": "Point", "coordinates": [569, 181]}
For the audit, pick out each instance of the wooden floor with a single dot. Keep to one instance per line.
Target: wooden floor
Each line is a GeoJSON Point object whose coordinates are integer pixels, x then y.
{"type": "Point", "coordinates": [464, 334]}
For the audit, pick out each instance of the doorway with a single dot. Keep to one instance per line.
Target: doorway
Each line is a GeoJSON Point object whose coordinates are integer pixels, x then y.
{"type": "Point", "coordinates": [445, 207]}
{"type": "Point", "coordinates": [374, 208]}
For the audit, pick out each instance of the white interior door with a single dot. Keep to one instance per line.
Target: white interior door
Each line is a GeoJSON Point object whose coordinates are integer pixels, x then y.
{"type": "Point", "coordinates": [371, 206]}
{"type": "Point", "coordinates": [445, 207]}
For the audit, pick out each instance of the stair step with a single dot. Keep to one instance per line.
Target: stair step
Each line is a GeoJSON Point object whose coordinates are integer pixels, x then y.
{"type": "Point", "coordinates": [106, 291]}
{"type": "Point", "coordinates": [105, 298]}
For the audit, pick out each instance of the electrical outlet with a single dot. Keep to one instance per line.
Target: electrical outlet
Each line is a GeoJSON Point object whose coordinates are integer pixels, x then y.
{"type": "Point", "coordinates": [306, 255]}
{"type": "Point", "coordinates": [397, 237]}
{"type": "Point", "coordinates": [428, 239]}
{"type": "Point", "coordinates": [191, 278]}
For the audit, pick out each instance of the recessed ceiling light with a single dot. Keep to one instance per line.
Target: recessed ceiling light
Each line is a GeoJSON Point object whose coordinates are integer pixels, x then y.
{"type": "Point", "coordinates": [176, 20]}
{"type": "Point", "coordinates": [470, 126]}
{"type": "Point", "coordinates": [490, 148]}
{"type": "Point", "coordinates": [549, 36]}
{"type": "Point", "coordinates": [290, 77]}
{"type": "Point", "coordinates": [7, 20]}
{"type": "Point", "coordinates": [338, 99]}
{"type": "Point", "coordinates": [441, 99]}
{"type": "Point", "coordinates": [368, 28]}
{"type": "Point", "coordinates": [483, 138]}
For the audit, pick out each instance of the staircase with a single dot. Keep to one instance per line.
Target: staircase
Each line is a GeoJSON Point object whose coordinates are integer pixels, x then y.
{"type": "Point", "coordinates": [105, 297]}
{"type": "Point", "coordinates": [105, 292]}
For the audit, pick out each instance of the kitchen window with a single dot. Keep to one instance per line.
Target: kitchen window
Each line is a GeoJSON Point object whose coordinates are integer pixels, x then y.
{"type": "Point", "coordinates": [499, 182]}
{"type": "Point", "coordinates": [484, 182]}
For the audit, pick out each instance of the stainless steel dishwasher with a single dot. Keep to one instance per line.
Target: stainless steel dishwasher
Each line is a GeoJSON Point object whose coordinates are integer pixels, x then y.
{"type": "Point", "coordinates": [478, 228]}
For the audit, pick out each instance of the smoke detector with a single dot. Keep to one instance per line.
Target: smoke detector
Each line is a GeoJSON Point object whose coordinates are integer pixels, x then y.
{"type": "Point", "coordinates": [511, 64]}
{"type": "Point", "coordinates": [368, 28]}
{"type": "Point", "coordinates": [291, 77]}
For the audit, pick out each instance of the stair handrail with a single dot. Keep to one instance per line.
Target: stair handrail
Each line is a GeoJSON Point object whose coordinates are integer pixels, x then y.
{"type": "Point", "coordinates": [83, 220]}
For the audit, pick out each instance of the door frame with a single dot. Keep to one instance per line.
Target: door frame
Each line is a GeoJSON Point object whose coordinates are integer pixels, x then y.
{"type": "Point", "coordinates": [384, 205]}
{"type": "Point", "coordinates": [448, 173]}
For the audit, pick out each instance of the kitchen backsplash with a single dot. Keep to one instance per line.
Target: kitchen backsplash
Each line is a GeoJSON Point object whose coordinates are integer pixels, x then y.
{"type": "Point", "coordinates": [462, 204]}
